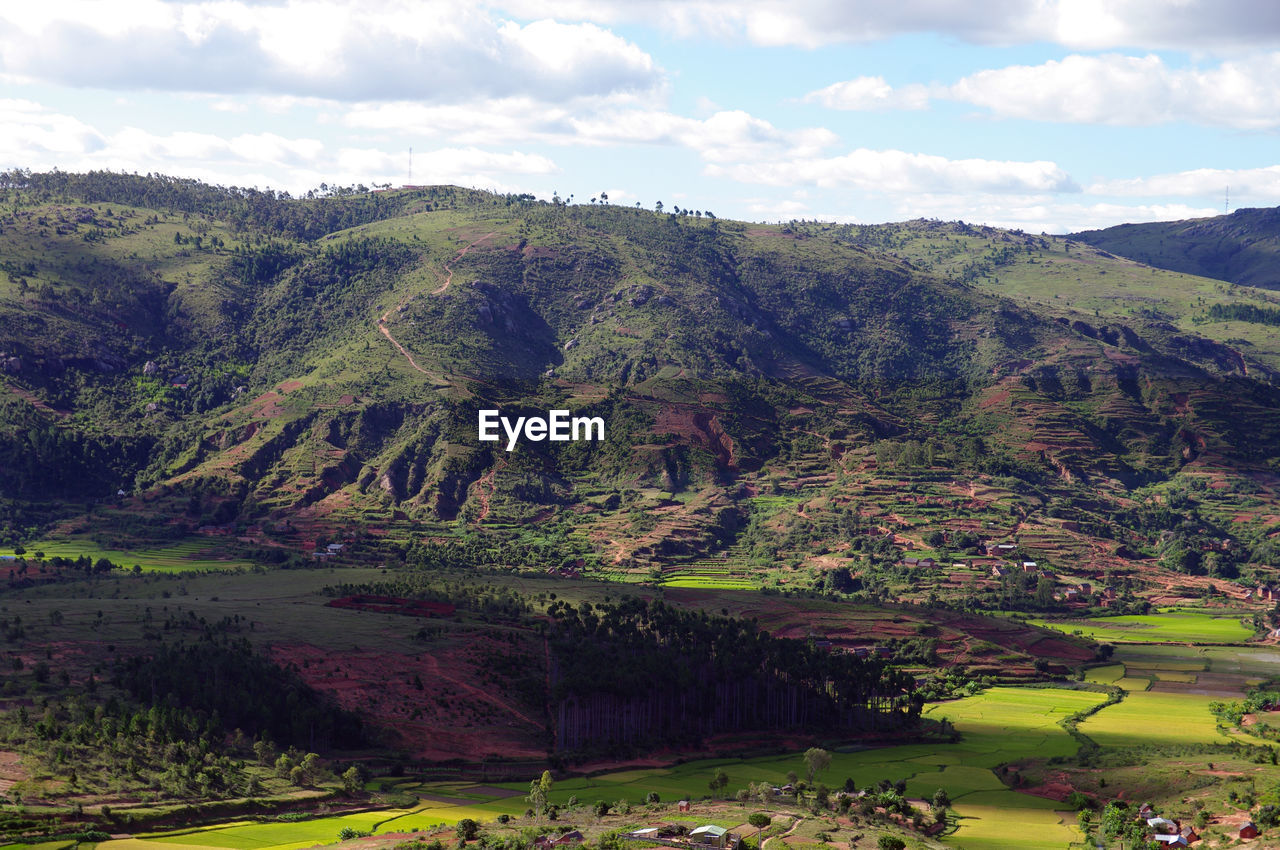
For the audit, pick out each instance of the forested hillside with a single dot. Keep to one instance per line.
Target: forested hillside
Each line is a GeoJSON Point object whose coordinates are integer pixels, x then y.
{"type": "Point", "coordinates": [184, 359]}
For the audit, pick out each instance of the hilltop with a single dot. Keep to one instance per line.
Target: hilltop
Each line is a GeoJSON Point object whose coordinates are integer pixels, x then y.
{"type": "Point", "coordinates": [1241, 247]}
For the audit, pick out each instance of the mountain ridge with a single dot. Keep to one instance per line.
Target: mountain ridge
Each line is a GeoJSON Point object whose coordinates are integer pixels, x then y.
{"type": "Point", "coordinates": [302, 385]}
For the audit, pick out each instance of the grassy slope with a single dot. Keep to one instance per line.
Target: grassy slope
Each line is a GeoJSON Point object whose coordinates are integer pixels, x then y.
{"type": "Point", "coordinates": [1067, 277]}
{"type": "Point", "coordinates": [1241, 247]}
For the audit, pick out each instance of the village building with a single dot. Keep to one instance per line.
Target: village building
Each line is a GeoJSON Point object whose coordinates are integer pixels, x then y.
{"type": "Point", "coordinates": [1249, 830]}
{"type": "Point", "coordinates": [712, 836]}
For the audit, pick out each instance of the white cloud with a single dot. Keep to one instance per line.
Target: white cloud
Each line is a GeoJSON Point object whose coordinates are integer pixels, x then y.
{"type": "Point", "coordinates": [894, 171]}
{"type": "Point", "coordinates": [28, 131]}
{"type": "Point", "coordinates": [726, 136]}
{"type": "Point", "coordinates": [445, 51]}
{"type": "Point", "coordinates": [1247, 184]}
{"type": "Point", "coordinates": [1109, 89]}
{"type": "Point", "coordinates": [862, 93]}
{"type": "Point", "coordinates": [34, 137]}
{"type": "Point", "coordinates": [1130, 90]}
{"type": "Point", "coordinates": [1079, 24]}
{"type": "Point", "coordinates": [1038, 213]}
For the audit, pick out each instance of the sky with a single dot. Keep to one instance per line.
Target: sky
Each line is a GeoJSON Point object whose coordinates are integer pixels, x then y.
{"type": "Point", "coordinates": [1046, 115]}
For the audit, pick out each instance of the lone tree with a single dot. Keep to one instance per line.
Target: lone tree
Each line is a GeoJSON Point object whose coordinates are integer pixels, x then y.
{"type": "Point", "coordinates": [816, 760]}
{"type": "Point", "coordinates": [759, 820]}
{"type": "Point", "coordinates": [718, 782]}
{"type": "Point", "coordinates": [538, 791]}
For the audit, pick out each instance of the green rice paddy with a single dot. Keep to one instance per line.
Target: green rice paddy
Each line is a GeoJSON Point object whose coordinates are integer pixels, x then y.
{"type": "Point", "coordinates": [1150, 717]}
{"type": "Point", "coordinates": [1167, 627]}
{"type": "Point", "coordinates": [188, 555]}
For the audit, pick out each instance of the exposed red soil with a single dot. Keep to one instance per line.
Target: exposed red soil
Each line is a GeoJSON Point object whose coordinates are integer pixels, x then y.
{"type": "Point", "coordinates": [485, 487]}
{"type": "Point", "coordinates": [394, 605]}
{"type": "Point", "coordinates": [700, 427]}
{"type": "Point", "coordinates": [453, 715]}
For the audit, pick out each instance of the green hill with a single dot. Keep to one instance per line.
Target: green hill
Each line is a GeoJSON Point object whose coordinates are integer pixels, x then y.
{"type": "Point", "coordinates": [287, 370]}
{"type": "Point", "coordinates": [1241, 247]}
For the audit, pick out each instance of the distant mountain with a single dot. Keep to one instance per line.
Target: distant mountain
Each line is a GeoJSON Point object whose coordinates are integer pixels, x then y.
{"type": "Point", "coordinates": [286, 369]}
{"type": "Point", "coordinates": [1243, 247]}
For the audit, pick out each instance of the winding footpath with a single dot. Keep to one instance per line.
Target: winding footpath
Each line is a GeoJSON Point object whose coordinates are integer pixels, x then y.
{"type": "Point", "coordinates": [448, 279]}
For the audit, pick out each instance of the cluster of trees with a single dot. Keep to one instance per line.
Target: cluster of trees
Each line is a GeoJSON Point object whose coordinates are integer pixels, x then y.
{"type": "Point", "coordinates": [491, 600]}
{"type": "Point", "coordinates": [229, 685]}
{"type": "Point", "coordinates": [1244, 313]}
{"type": "Point", "coordinates": [41, 460]}
{"type": "Point", "coordinates": [116, 744]}
{"type": "Point", "coordinates": [311, 217]}
{"type": "Point", "coordinates": [636, 672]}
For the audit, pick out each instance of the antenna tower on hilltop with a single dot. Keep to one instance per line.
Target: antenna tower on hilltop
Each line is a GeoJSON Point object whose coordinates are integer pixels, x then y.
{"type": "Point", "coordinates": [411, 163]}
{"type": "Point", "coordinates": [1226, 200]}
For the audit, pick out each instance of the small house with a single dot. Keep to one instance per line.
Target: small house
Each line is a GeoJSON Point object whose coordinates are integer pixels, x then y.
{"type": "Point", "coordinates": [1162, 825]}
{"type": "Point", "coordinates": [911, 562]}
{"type": "Point", "coordinates": [683, 805]}
{"type": "Point", "coordinates": [1145, 811]}
{"type": "Point", "coordinates": [928, 563]}
{"type": "Point", "coordinates": [334, 548]}
{"type": "Point", "coordinates": [999, 572]}
{"type": "Point", "coordinates": [1030, 566]}
{"type": "Point", "coordinates": [1189, 834]}
{"type": "Point", "coordinates": [1170, 840]}
{"type": "Point", "coordinates": [1086, 588]}
{"type": "Point", "coordinates": [709, 835]}
{"type": "Point", "coordinates": [1249, 830]}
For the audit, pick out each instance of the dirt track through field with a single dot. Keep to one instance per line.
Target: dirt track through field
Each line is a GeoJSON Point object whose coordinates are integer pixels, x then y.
{"type": "Point", "coordinates": [486, 487]}
{"type": "Point", "coordinates": [448, 279]}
